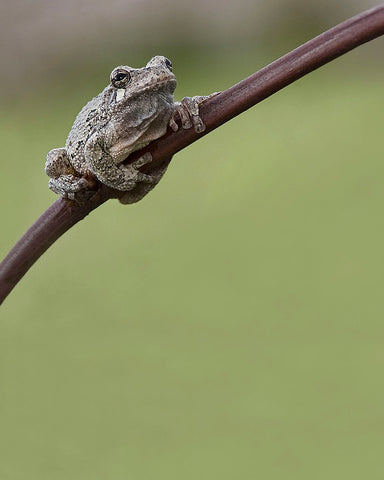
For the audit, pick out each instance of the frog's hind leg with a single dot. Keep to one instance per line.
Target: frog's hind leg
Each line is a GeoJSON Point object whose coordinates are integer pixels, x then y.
{"type": "Point", "coordinates": [63, 179]}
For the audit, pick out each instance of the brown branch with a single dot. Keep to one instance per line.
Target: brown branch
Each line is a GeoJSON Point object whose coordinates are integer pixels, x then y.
{"type": "Point", "coordinates": [63, 214]}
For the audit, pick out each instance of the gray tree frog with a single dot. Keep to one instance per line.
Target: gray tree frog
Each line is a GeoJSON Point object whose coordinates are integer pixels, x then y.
{"type": "Point", "coordinates": [132, 111]}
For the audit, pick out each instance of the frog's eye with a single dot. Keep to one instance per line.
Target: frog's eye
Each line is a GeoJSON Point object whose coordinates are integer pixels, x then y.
{"type": "Point", "coordinates": [168, 64]}
{"type": "Point", "coordinates": [120, 78]}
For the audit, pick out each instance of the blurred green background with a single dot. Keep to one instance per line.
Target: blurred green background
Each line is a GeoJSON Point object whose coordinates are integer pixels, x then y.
{"type": "Point", "coordinates": [230, 325]}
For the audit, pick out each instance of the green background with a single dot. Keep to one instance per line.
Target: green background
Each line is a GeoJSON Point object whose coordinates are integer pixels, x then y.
{"type": "Point", "coordinates": [230, 325]}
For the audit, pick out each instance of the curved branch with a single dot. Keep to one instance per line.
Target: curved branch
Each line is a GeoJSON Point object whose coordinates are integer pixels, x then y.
{"type": "Point", "coordinates": [63, 214]}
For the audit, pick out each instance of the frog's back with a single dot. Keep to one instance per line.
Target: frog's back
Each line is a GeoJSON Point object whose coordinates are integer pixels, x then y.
{"type": "Point", "coordinates": [88, 119]}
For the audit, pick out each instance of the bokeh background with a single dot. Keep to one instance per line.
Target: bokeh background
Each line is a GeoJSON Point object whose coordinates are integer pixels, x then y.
{"type": "Point", "coordinates": [230, 325]}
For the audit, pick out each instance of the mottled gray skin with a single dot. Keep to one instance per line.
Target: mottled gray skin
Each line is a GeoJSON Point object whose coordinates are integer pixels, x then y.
{"type": "Point", "coordinates": [132, 111]}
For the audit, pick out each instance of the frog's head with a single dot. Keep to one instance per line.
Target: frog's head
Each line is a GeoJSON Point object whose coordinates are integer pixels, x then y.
{"type": "Point", "coordinates": [155, 78]}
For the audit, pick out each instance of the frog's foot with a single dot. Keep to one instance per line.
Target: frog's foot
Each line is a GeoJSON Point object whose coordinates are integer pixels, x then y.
{"type": "Point", "coordinates": [153, 178]}
{"type": "Point", "coordinates": [71, 187]}
{"type": "Point", "coordinates": [142, 187]}
{"type": "Point", "coordinates": [188, 112]}
{"type": "Point", "coordinates": [63, 178]}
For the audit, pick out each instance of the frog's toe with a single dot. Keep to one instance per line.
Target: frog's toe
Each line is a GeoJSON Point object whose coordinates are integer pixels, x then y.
{"type": "Point", "coordinates": [146, 158]}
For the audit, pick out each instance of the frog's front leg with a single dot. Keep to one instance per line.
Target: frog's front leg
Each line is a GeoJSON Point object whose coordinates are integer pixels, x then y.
{"type": "Point", "coordinates": [63, 178]}
{"type": "Point", "coordinates": [118, 176]}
